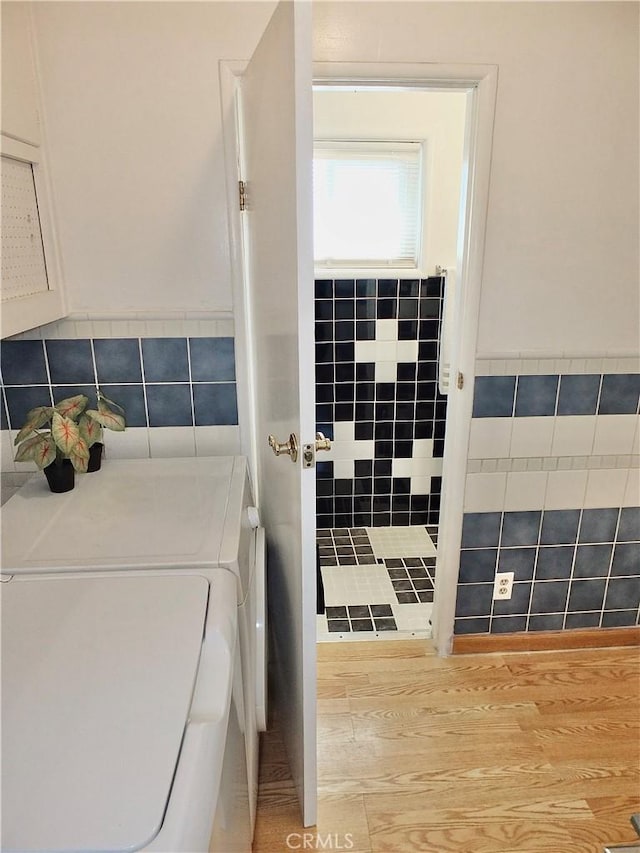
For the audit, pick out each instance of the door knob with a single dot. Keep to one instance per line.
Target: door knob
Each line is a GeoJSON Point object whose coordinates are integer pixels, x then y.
{"type": "Point", "coordinates": [285, 448]}
{"type": "Point", "coordinates": [322, 443]}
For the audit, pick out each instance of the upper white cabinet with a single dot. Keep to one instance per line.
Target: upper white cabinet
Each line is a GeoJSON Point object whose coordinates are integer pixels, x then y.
{"type": "Point", "coordinates": [20, 112]}
{"type": "Point", "coordinates": [30, 280]}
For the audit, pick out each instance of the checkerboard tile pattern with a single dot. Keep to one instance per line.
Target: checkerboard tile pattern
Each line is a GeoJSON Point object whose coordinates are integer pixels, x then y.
{"type": "Point", "coordinates": [345, 547]}
{"type": "Point", "coordinates": [377, 399]}
{"type": "Point", "coordinates": [370, 594]}
{"type": "Point", "coordinates": [363, 617]}
{"type": "Point", "coordinates": [412, 578]}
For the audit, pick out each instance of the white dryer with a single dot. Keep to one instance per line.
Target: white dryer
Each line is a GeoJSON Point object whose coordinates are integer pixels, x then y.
{"type": "Point", "coordinates": [133, 640]}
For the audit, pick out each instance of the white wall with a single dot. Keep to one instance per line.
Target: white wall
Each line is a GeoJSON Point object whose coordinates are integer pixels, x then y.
{"type": "Point", "coordinates": [132, 110]}
{"type": "Point", "coordinates": [435, 117]}
{"type": "Point", "coordinates": [561, 262]}
{"type": "Point", "coordinates": [133, 119]}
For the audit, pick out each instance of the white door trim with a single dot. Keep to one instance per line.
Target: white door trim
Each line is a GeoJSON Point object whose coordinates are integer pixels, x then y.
{"type": "Point", "coordinates": [230, 74]}
{"type": "Point", "coordinates": [481, 83]}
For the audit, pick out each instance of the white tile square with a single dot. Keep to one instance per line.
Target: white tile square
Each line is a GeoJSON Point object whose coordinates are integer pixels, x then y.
{"type": "Point", "coordinates": [407, 351]}
{"type": "Point", "coordinates": [365, 351]}
{"type": "Point", "coordinates": [531, 437]}
{"type": "Point", "coordinates": [423, 448]}
{"type": "Point", "coordinates": [614, 434]}
{"type": "Point", "coordinates": [386, 351]}
{"type": "Point", "coordinates": [485, 492]}
{"type": "Point", "coordinates": [387, 330]}
{"type": "Point", "coordinates": [605, 487]}
{"type": "Point", "coordinates": [632, 491]}
{"type": "Point", "coordinates": [490, 438]}
{"type": "Point", "coordinates": [364, 449]}
{"type": "Point", "coordinates": [422, 467]}
{"type": "Point", "coordinates": [386, 371]}
{"type": "Point", "coordinates": [437, 466]}
{"type": "Point", "coordinates": [573, 435]}
{"type": "Point", "coordinates": [133, 443]}
{"type": "Point", "coordinates": [344, 431]}
{"type": "Point", "coordinates": [412, 617]}
{"type": "Point", "coordinates": [565, 489]}
{"type": "Point", "coordinates": [400, 542]}
{"type": "Point", "coordinates": [171, 441]}
{"type": "Point", "coordinates": [420, 484]}
{"type": "Point", "coordinates": [344, 469]}
{"type": "Point", "coordinates": [525, 490]}
{"type": "Point", "coordinates": [217, 440]}
{"type": "Point", "coordinates": [401, 467]}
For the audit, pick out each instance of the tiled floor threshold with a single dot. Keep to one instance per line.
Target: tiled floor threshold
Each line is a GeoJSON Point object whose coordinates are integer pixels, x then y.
{"type": "Point", "coordinates": [378, 582]}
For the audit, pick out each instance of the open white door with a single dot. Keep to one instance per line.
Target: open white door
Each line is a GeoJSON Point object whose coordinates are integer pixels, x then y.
{"type": "Point", "coordinates": [277, 139]}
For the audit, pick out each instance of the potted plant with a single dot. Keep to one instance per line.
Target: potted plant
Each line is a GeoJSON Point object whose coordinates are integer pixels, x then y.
{"type": "Point", "coordinates": [63, 446]}
{"type": "Point", "coordinates": [92, 423]}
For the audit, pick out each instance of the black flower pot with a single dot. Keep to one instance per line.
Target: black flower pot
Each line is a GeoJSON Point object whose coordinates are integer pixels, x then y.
{"type": "Point", "coordinates": [95, 456]}
{"type": "Point", "coordinates": [60, 476]}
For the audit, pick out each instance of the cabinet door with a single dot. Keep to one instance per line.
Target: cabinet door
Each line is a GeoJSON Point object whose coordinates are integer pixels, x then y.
{"type": "Point", "coordinates": [20, 115]}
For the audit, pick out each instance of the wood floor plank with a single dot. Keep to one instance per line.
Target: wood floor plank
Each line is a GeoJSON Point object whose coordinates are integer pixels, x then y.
{"type": "Point", "coordinates": [495, 753]}
{"type": "Point", "coordinates": [354, 767]}
{"type": "Point", "coordinates": [375, 650]}
{"type": "Point", "coordinates": [492, 828]}
{"type": "Point", "coordinates": [335, 728]}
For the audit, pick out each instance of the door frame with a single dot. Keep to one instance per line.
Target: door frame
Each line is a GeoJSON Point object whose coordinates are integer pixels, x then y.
{"type": "Point", "coordinates": [480, 83]}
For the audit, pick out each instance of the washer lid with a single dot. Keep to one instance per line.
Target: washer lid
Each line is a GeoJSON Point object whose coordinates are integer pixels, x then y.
{"type": "Point", "coordinates": [135, 513]}
{"type": "Point", "coordinates": [97, 680]}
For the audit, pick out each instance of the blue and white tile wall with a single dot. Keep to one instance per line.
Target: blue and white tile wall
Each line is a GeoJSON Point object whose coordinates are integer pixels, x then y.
{"type": "Point", "coordinates": [552, 494]}
{"type": "Point", "coordinates": [178, 392]}
{"type": "Point", "coordinates": [377, 399]}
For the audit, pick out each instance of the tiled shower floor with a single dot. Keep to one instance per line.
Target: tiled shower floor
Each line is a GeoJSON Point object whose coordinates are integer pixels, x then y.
{"type": "Point", "coordinates": [378, 582]}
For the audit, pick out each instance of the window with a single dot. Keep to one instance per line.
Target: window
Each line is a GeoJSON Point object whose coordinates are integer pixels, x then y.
{"type": "Point", "coordinates": [367, 204]}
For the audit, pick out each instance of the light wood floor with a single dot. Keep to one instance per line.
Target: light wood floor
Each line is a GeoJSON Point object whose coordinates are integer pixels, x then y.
{"type": "Point", "coordinates": [470, 754]}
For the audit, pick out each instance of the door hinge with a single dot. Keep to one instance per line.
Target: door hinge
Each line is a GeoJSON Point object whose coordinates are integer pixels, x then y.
{"type": "Point", "coordinates": [460, 381]}
{"type": "Point", "coordinates": [242, 195]}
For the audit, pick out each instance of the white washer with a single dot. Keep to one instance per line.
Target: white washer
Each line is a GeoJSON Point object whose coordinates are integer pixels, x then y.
{"type": "Point", "coordinates": [130, 713]}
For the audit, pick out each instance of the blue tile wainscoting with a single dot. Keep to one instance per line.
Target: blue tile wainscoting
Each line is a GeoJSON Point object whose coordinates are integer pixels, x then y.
{"type": "Point", "coordinates": [552, 494]}
{"type": "Point", "coordinates": [377, 398]}
{"type": "Point", "coordinates": [160, 382]}
{"type": "Point", "coordinates": [575, 568]}
{"type": "Point", "coordinates": [546, 396]}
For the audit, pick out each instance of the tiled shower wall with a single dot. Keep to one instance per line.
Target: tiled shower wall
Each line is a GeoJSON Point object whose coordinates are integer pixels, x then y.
{"type": "Point", "coordinates": [552, 494]}
{"type": "Point", "coordinates": [377, 399]}
{"type": "Point", "coordinates": [178, 390]}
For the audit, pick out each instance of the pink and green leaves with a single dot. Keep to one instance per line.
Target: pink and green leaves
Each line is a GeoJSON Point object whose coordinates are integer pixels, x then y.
{"type": "Point", "coordinates": [72, 430]}
{"type": "Point", "coordinates": [79, 455]}
{"type": "Point", "coordinates": [90, 429]}
{"type": "Point", "coordinates": [40, 449]}
{"type": "Point", "coordinates": [65, 433]}
{"type": "Point", "coordinates": [36, 418]}
{"type": "Point", "coordinates": [72, 407]}
{"type": "Point", "coordinates": [105, 415]}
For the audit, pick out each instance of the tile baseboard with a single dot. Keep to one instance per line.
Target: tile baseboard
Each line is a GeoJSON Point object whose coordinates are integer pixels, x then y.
{"type": "Point", "coordinates": [596, 638]}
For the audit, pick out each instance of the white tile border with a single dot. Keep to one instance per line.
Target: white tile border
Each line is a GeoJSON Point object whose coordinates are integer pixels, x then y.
{"type": "Point", "coordinates": [553, 463]}
{"type": "Point", "coordinates": [561, 489]}
{"type": "Point", "coordinates": [206, 324]}
{"type": "Point", "coordinates": [529, 364]}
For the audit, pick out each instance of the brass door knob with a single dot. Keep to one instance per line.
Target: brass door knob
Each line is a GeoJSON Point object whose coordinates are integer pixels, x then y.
{"type": "Point", "coordinates": [285, 448]}
{"type": "Point", "coordinates": [322, 443]}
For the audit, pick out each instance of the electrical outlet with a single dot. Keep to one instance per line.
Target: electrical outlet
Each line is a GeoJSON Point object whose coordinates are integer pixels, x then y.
{"type": "Point", "coordinates": [503, 586]}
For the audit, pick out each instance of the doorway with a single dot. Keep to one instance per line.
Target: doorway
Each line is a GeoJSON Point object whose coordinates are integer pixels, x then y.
{"type": "Point", "coordinates": [382, 348]}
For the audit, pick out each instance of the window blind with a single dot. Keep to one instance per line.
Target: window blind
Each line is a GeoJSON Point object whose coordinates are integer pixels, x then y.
{"type": "Point", "coordinates": [367, 203]}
